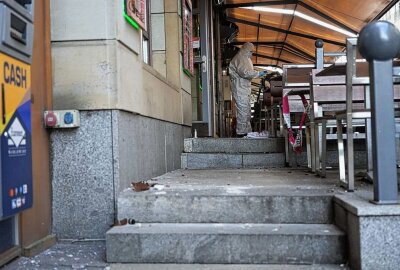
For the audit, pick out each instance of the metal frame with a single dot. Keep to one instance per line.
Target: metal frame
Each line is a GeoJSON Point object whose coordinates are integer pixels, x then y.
{"type": "Point", "coordinates": [271, 58]}
{"type": "Point", "coordinates": [261, 3]}
{"type": "Point", "coordinates": [300, 52]}
{"type": "Point", "coordinates": [329, 18]}
{"type": "Point", "coordinates": [319, 136]}
{"type": "Point", "coordinates": [292, 2]}
{"type": "Point", "coordinates": [292, 66]}
{"type": "Point", "coordinates": [288, 32]}
{"type": "Point", "coordinates": [347, 175]}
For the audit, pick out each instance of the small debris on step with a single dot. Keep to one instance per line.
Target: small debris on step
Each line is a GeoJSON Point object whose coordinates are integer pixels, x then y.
{"type": "Point", "coordinates": [131, 221]}
{"type": "Point", "coordinates": [121, 222]}
{"type": "Point", "coordinates": [141, 186]}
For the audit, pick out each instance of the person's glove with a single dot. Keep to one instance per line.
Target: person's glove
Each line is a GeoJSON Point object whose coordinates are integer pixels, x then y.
{"type": "Point", "coordinates": [261, 74]}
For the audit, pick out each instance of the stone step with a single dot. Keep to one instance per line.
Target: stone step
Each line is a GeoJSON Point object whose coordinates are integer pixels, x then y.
{"type": "Point", "coordinates": [226, 244]}
{"type": "Point", "coordinates": [131, 266]}
{"type": "Point", "coordinates": [228, 204]}
{"type": "Point", "coordinates": [225, 161]}
{"type": "Point", "coordinates": [234, 145]}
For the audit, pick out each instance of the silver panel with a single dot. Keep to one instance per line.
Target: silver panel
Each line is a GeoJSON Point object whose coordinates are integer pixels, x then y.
{"type": "Point", "coordinates": [14, 43]}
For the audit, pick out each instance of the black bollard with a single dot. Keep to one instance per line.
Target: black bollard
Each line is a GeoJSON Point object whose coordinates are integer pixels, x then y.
{"type": "Point", "coordinates": [379, 43]}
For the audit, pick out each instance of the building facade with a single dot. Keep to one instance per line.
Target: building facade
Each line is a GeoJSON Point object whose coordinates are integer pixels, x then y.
{"type": "Point", "coordinates": [134, 98]}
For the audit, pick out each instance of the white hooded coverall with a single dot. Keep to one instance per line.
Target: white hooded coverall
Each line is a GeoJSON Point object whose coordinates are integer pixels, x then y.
{"type": "Point", "coordinates": [241, 73]}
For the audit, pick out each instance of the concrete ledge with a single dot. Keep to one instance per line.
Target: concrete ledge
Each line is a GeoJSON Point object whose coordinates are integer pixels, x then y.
{"type": "Point", "coordinates": [361, 207]}
{"type": "Point", "coordinates": [234, 145]}
{"type": "Point", "coordinates": [373, 232]}
{"type": "Point", "coordinates": [211, 161]}
{"type": "Point", "coordinates": [226, 267]}
{"type": "Point", "coordinates": [223, 161]}
{"type": "Point", "coordinates": [226, 243]}
{"type": "Point", "coordinates": [263, 160]}
{"type": "Point", "coordinates": [230, 205]}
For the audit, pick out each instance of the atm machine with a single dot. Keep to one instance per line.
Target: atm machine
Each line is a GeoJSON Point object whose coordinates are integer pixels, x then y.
{"type": "Point", "coordinates": [16, 43]}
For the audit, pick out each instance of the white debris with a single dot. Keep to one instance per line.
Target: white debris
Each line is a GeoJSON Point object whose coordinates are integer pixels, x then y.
{"type": "Point", "coordinates": [159, 187]}
{"type": "Point", "coordinates": [161, 193]}
{"type": "Point", "coordinates": [234, 190]}
{"type": "Point", "coordinates": [247, 225]}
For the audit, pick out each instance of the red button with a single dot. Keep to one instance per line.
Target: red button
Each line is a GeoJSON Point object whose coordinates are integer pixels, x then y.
{"type": "Point", "coordinates": [11, 192]}
{"type": "Point", "coordinates": [50, 119]}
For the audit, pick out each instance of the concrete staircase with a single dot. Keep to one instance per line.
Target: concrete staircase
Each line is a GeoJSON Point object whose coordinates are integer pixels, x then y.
{"type": "Point", "coordinates": [222, 153]}
{"type": "Point", "coordinates": [226, 225]}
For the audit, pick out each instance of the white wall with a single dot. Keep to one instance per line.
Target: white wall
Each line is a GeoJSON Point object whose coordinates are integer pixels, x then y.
{"type": "Point", "coordinates": [97, 62]}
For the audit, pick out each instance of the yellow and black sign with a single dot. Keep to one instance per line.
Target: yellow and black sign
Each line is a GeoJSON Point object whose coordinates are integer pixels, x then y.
{"type": "Point", "coordinates": [15, 82]}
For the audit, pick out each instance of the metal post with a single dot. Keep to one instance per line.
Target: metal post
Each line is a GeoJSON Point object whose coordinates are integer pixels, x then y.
{"type": "Point", "coordinates": [350, 74]}
{"type": "Point", "coordinates": [383, 132]}
{"type": "Point", "coordinates": [386, 37]}
{"type": "Point", "coordinates": [368, 133]}
{"type": "Point", "coordinates": [323, 148]}
{"type": "Point", "coordinates": [308, 140]}
{"type": "Point", "coordinates": [342, 164]}
{"type": "Point", "coordinates": [314, 127]}
{"type": "Point", "coordinates": [319, 54]}
{"type": "Point", "coordinates": [207, 116]}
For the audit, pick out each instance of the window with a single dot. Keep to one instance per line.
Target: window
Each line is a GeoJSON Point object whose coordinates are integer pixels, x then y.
{"type": "Point", "coordinates": [146, 50]}
{"type": "Point", "coordinates": [136, 12]}
{"type": "Point", "coordinates": [146, 43]}
{"type": "Point", "coordinates": [187, 36]}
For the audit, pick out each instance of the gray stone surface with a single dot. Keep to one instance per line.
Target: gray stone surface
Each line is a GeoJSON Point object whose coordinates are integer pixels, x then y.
{"type": "Point", "coordinates": [222, 160]}
{"type": "Point", "coordinates": [340, 216]}
{"type": "Point", "coordinates": [230, 204]}
{"type": "Point", "coordinates": [145, 147]}
{"type": "Point", "coordinates": [234, 145]}
{"type": "Point", "coordinates": [91, 255]}
{"type": "Point", "coordinates": [353, 239]}
{"type": "Point", "coordinates": [92, 163]}
{"type": "Point", "coordinates": [264, 160]}
{"type": "Point", "coordinates": [373, 231]}
{"type": "Point", "coordinates": [332, 159]}
{"type": "Point", "coordinates": [380, 242]}
{"type": "Point", "coordinates": [360, 206]}
{"type": "Point", "coordinates": [205, 161]}
{"type": "Point", "coordinates": [225, 267]}
{"type": "Point", "coordinates": [82, 178]}
{"type": "Point", "coordinates": [226, 243]}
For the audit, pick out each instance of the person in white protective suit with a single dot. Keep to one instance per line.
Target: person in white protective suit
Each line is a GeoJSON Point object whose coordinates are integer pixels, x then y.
{"type": "Point", "coordinates": [241, 73]}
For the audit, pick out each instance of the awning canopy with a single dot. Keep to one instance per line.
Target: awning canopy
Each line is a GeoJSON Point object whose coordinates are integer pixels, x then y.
{"type": "Point", "coordinates": [286, 31]}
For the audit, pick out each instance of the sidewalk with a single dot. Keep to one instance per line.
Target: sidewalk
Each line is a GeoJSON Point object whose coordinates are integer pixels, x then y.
{"type": "Point", "coordinates": [63, 256]}
{"type": "Point", "coordinates": [91, 256]}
